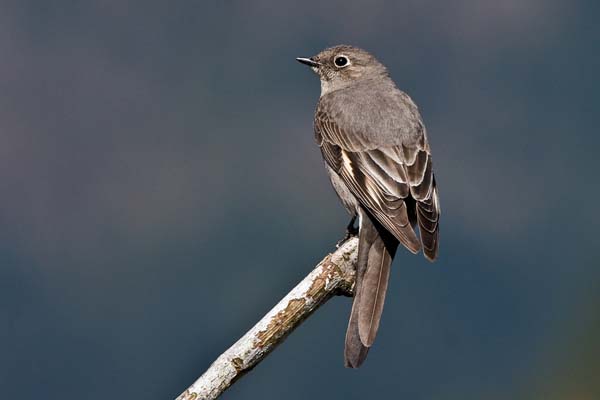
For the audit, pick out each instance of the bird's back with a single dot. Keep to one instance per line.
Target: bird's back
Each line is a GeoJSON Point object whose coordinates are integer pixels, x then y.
{"type": "Point", "coordinates": [375, 113]}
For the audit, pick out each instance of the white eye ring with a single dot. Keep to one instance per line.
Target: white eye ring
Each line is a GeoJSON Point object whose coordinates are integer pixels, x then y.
{"type": "Point", "coordinates": [341, 61]}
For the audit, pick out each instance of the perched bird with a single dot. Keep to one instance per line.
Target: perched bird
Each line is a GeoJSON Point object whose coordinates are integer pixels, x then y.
{"type": "Point", "coordinates": [377, 155]}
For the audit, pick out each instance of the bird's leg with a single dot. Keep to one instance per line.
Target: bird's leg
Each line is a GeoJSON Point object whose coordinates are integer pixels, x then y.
{"type": "Point", "coordinates": [351, 231]}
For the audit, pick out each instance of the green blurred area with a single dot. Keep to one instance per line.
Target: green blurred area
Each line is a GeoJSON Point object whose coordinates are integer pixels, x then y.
{"type": "Point", "coordinates": [574, 365]}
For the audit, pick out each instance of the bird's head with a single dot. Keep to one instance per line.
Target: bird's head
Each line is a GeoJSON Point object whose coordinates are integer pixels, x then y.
{"type": "Point", "coordinates": [341, 66]}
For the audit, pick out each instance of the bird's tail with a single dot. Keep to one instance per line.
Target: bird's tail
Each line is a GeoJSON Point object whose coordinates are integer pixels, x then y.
{"type": "Point", "coordinates": [376, 249]}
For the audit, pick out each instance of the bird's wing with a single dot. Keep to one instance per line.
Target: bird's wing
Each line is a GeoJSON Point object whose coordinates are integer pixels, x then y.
{"type": "Point", "coordinates": [394, 182]}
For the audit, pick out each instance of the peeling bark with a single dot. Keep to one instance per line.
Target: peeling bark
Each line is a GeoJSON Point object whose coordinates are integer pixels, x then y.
{"type": "Point", "coordinates": [334, 275]}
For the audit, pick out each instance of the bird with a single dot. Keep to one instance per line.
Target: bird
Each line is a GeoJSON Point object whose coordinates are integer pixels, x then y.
{"type": "Point", "coordinates": [377, 155]}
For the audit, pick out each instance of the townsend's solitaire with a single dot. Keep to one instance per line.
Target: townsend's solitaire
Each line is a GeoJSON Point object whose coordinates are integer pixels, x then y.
{"type": "Point", "coordinates": [377, 155]}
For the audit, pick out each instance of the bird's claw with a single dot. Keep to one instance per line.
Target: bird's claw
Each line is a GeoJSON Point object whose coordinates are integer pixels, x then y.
{"type": "Point", "coordinates": [351, 231]}
{"type": "Point", "coordinates": [347, 236]}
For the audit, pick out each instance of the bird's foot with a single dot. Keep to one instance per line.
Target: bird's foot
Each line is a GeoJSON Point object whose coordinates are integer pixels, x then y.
{"type": "Point", "coordinates": [351, 231]}
{"type": "Point", "coordinates": [347, 236]}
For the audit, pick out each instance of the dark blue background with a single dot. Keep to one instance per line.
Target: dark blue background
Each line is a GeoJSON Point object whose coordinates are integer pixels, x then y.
{"type": "Point", "coordinates": [161, 190]}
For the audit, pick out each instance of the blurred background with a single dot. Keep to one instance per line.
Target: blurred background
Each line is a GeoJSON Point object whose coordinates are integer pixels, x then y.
{"type": "Point", "coordinates": [161, 191]}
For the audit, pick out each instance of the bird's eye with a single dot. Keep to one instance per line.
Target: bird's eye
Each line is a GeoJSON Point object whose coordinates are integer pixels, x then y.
{"type": "Point", "coordinates": [340, 61]}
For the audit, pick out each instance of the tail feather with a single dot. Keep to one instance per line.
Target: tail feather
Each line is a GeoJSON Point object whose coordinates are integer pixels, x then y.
{"type": "Point", "coordinates": [374, 287]}
{"type": "Point", "coordinates": [376, 250]}
{"type": "Point", "coordinates": [354, 351]}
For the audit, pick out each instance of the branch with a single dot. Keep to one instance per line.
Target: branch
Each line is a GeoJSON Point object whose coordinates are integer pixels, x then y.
{"type": "Point", "coordinates": [334, 275]}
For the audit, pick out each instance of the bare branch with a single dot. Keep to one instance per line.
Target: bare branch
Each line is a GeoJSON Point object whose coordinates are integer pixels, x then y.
{"type": "Point", "coordinates": [334, 275]}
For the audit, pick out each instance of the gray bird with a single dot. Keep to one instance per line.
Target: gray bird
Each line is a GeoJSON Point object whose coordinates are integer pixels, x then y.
{"type": "Point", "coordinates": [377, 155]}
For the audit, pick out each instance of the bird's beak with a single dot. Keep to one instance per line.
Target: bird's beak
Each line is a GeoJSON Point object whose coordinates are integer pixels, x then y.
{"type": "Point", "coordinates": [308, 61]}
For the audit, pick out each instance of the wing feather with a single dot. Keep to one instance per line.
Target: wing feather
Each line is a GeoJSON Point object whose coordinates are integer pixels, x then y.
{"type": "Point", "coordinates": [384, 178]}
